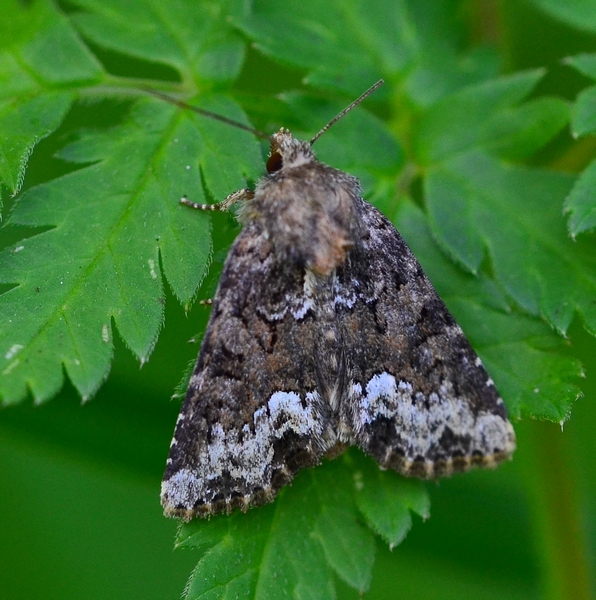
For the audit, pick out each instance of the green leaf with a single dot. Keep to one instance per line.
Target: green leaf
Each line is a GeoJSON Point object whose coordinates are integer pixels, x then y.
{"type": "Point", "coordinates": [518, 132]}
{"type": "Point", "coordinates": [474, 205]}
{"type": "Point", "coordinates": [528, 362]}
{"type": "Point", "coordinates": [348, 546]}
{"type": "Point", "coordinates": [23, 124]}
{"type": "Point", "coordinates": [581, 202]}
{"type": "Point", "coordinates": [386, 499]}
{"type": "Point", "coordinates": [40, 52]}
{"type": "Point", "coordinates": [577, 13]}
{"type": "Point", "coordinates": [44, 46]}
{"type": "Point", "coordinates": [585, 63]}
{"type": "Point", "coordinates": [345, 45]}
{"type": "Point", "coordinates": [342, 44]}
{"type": "Point", "coordinates": [101, 261]}
{"type": "Point", "coordinates": [477, 116]}
{"type": "Point", "coordinates": [112, 227]}
{"type": "Point", "coordinates": [583, 118]}
{"type": "Point", "coordinates": [288, 549]}
{"type": "Point", "coordinates": [195, 38]}
{"type": "Point", "coordinates": [360, 144]}
{"type": "Point", "coordinates": [442, 69]}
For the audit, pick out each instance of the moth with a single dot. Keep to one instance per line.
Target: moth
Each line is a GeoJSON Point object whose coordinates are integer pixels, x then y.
{"type": "Point", "coordinates": [324, 333]}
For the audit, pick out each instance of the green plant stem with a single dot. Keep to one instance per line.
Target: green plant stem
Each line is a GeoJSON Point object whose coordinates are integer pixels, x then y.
{"type": "Point", "coordinates": [555, 509]}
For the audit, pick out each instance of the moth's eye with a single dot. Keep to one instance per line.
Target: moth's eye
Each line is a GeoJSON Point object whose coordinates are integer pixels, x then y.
{"type": "Point", "coordinates": [274, 162]}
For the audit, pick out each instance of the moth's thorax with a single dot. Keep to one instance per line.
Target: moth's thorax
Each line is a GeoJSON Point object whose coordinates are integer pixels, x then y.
{"type": "Point", "coordinates": [307, 209]}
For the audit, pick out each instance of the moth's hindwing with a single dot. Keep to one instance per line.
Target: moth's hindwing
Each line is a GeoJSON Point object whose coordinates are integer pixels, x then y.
{"type": "Point", "coordinates": [252, 416]}
{"type": "Point", "coordinates": [418, 400]}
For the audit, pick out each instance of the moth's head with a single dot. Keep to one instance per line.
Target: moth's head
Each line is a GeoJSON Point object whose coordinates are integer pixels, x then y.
{"type": "Point", "coordinates": [286, 151]}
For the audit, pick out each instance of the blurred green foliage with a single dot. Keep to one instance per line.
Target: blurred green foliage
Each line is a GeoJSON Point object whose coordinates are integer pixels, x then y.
{"type": "Point", "coordinates": [467, 148]}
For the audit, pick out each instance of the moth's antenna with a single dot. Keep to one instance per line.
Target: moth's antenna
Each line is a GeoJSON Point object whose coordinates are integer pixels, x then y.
{"type": "Point", "coordinates": [347, 109]}
{"type": "Point", "coordinates": [207, 113]}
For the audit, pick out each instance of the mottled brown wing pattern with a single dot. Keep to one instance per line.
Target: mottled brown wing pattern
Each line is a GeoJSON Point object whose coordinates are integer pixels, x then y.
{"type": "Point", "coordinates": [324, 332]}
{"type": "Point", "coordinates": [419, 399]}
{"type": "Point", "coordinates": [252, 416]}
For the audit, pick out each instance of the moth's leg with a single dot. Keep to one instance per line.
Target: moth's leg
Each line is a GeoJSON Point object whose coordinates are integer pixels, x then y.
{"type": "Point", "coordinates": [224, 205]}
{"type": "Point", "coordinates": [239, 196]}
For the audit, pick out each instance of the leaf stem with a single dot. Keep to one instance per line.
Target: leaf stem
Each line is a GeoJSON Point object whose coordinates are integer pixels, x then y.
{"type": "Point", "coordinates": [557, 519]}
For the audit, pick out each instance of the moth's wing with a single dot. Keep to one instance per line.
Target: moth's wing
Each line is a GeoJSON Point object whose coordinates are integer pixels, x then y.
{"type": "Point", "coordinates": [419, 400]}
{"type": "Point", "coordinates": [252, 416]}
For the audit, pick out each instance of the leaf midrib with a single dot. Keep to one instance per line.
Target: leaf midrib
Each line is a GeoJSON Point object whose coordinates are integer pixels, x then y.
{"type": "Point", "coordinates": [85, 273]}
